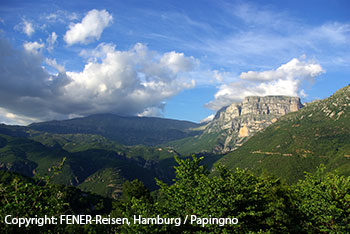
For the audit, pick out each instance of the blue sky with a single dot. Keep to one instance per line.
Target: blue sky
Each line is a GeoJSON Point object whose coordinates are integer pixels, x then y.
{"type": "Point", "coordinates": [174, 59]}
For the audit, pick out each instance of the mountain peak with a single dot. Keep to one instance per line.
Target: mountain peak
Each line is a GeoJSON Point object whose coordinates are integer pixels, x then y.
{"type": "Point", "coordinates": [238, 121]}
{"type": "Point", "coordinates": [300, 141]}
{"type": "Point", "coordinates": [125, 130]}
{"type": "Point", "coordinates": [235, 123]}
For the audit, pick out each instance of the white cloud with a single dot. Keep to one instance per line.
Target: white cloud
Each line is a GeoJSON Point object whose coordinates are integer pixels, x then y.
{"type": "Point", "coordinates": [285, 80]}
{"type": "Point", "coordinates": [208, 119]}
{"type": "Point", "coordinates": [262, 16]}
{"type": "Point", "coordinates": [11, 118]}
{"type": "Point", "coordinates": [50, 41]}
{"type": "Point", "coordinates": [28, 28]}
{"type": "Point", "coordinates": [33, 47]}
{"type": "Point", "coordinates": [99, 52]}
{"type": "Point", "coordinates": [259, 35]}
{"type": "Point", "coordinates": [217, 75]}
{"type": "Point", "coordinates": [90, 28]}
{"type": "Point", "coordinates": [59, 16]}
{"type": "Point", "coordinates": [293, 68]}
{"type": "Point", "coordinates": [332, 32]}
{"type": "Point", "coordinates": [25, 27]}
{"type": "Point", "coordinates": [127, 82]}
{"type": "Point", "coordinates": [53, 63]}
{"type": "Point", "coordinates": [153, 111]}
{"type": "Point", "coordinates": [177, 62]}
{"type": "Point", "coordinates": [132, 82]}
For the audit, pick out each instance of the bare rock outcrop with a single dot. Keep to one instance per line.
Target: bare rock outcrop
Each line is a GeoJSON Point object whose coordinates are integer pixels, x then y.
{"type": "Point", "coordinates": [239, 121]}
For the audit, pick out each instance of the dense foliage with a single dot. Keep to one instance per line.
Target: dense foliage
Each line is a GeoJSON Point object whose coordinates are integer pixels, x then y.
{"type": "Point", "coordinates": [324, 199]}
{"type": "Point", "coordinates": [318, 204]}
{"type": "Point", "coordinates": [23, 197]}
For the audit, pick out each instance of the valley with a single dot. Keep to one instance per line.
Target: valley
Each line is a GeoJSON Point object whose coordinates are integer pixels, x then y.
{"type": "Point", "coordinates": [275, 135]}
{"type": "Point", "coordinates": [268, 159]}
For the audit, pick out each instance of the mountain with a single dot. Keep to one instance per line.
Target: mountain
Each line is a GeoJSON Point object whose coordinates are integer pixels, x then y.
{"type": "Point", "coordinates": [234, 124]}
{"type": "Point", "coordinates": [124, 130]}
{"type": "Point", "coordinates": [97, 170]}
{"type": "Point", "coordinates": [273, 134]}
{"type": "Point", "coordinates": [300, 141]}
{"type": "Point", "coordinates": [93, 162]}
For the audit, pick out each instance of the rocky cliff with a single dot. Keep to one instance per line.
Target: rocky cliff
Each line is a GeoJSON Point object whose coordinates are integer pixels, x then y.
{"type": "Point", "coordinates": [300, 141]}
{"type": "Point", "coordinates": [235, 123]}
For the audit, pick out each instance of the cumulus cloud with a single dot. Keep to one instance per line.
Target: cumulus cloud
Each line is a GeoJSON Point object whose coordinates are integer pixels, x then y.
{"type": "Point", "coordinates": [33, 47]}
{"type": "Point", "coordinates": [135, 78]}
{"type": "Point", "coordinates": [285, 80]}
{"type": "Point", "coordinates": [25, 84]}
{"type": "Point", "coordinates": [293, 68]}
{"type": "Point", "coordinates": [132, 82]}
{"type": "Point", "coordinates": [177, 62]}
{"type": "Point", "coordinates": [89, 29]}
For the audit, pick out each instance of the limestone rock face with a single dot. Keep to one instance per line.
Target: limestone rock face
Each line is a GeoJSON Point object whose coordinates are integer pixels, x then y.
{"type": "Point", "coordinates": [239, 121]}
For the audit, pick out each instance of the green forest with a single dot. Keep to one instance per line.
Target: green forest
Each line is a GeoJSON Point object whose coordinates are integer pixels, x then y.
{"type": "Point", "coordinates": [262, 204]}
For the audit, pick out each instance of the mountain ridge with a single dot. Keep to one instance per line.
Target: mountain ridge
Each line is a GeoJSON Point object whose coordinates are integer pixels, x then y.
{"type": "Point", "coordinates": [296, 142]}
{"type": "Point", "coordinates": [126, 130]}
{"type": "Point", "coordinates": [237, 122]}
{"type": "Point", "coordinates": [300, 141]}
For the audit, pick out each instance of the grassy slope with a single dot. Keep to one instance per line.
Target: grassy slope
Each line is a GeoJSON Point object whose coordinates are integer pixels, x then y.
{"type": "Point", "coordinates": [195, 144]}
{"type": "Point", "coordinates": [301, 141]}
{"type": "Point", "coordinates": [80, 142]}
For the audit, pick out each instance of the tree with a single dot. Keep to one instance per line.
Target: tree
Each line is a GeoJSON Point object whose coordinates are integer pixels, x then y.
{"type": "Point", "coordinates": [324, 201]}
{"type": "Point", "coordinates": [31, 198]}
{"type": "Point", "coordinates": [260, 204]}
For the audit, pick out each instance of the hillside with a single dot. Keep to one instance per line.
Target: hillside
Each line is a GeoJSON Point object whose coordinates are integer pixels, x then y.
{"type": "Point", "coordinates": [300, 141]}
{"type": "Point", "coordinates": [99, 170]}
{"type": "Point", "coordinates": [80, 142]}
{"type": "Point", "coordinates": [124, 130]}
{"type": "Point", "coordinates": [236, 123]}
{"type": "Point", "coordinates": [293, 143]}
{"type": "Point", "coordinates": [27, 197]}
